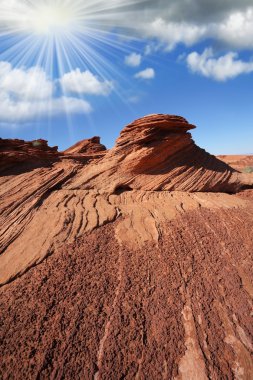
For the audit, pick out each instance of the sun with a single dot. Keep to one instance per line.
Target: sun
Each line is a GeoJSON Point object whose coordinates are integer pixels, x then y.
{"type": "Point", "coordinates": [62, 35]}
{"type": "Point", "coordinates": [52, 19]}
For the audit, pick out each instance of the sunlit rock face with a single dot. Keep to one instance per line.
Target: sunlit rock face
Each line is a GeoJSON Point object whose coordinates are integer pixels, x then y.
{"type": "Point", "coordinates": [87, 146]}
{"type": "Point", "coordinates": [14, 152]}
{"type": "Point", "coordinates": [127, 263]}
{"type": "Point", "coordinates": [157, 153]}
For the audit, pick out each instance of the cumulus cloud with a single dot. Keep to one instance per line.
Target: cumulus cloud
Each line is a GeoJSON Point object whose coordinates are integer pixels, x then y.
{"type": "Point", "coordinates": [169, 22]}
{"type": "Point", "coordinates": [170, 34]}
{"type": "Point", "coordinates": [84, 82]}
{"type": "Point", "coordinates": [221, 68]}
{"type": "Point", "coordinates": [190, 21]}
{"type": "Point", "coordinates": [133, 60]}
{"type": "Point", "coordinates": [26, 94]}
{"type": "Point", "coordinates": [12, 111]}
{"type": "Point", "coordinates": [21, 83]}
{"type": "Point", "coordinates": [237, 29]}
{"type": "Point", "coordinates": [196, 11]}
{"type": "Point", "coordinates": [148, 73]}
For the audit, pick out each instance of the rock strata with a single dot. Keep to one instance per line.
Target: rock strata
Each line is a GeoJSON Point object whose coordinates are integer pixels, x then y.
{"type": "Point", "coordinates": [13, 152]}
{"type": "Point", "coordinates": [157, 153]}
{"type": "Point", "coordinates": [131, 263]}
{"type": "Point", "coordinates": [87, 146]}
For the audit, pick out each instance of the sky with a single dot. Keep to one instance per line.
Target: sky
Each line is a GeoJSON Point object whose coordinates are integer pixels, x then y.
{"type": "Point", "coordinates": [73, 69]}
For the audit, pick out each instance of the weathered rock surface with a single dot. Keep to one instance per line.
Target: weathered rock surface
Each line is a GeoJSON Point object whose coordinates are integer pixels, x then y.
{"type": "Point", "coordinates": [100, 282]}
{"type": "Point", "coordinates": [13, 152]}
{"type": "Point", "coordinates": [92, 145]}
{"type": "Point", "coordinates": [157, 153]}
{"type": "Point", "coordinates": [177, 308]}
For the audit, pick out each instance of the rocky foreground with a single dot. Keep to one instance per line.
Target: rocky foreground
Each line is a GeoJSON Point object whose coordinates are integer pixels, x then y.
{"type": "Point", "coordinates": [129, 263]}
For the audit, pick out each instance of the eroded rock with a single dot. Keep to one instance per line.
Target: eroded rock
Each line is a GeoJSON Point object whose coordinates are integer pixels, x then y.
{"type": "Point", "coordinates": [129, 263]}
{"type": "Point", "coordinates": [157, 153]}
{"type": "Point", "coordinates": [87, 146]}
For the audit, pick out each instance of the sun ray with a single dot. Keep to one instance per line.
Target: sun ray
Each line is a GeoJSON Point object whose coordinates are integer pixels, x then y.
{"type": "Point", "coordinates": [60, 36]}
{"type": "Point", "coordinates": [50, 20]}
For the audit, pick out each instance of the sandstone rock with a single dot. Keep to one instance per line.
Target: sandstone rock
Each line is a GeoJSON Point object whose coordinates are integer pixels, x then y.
{"type": "Point", "coordinates": [31, 154]}
{"type": "Point", "coordinates": [157, 153]}
{"type": "Point", "coordinates": [87, 146]}
{"type": "Point", "coordinates": [13, 152]}
{"type": "Point", "coordinates": [100, 282]}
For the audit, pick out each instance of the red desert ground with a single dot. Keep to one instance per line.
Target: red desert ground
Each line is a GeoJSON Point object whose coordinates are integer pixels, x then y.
{"type": "Point", "coordinates": [129, 263]}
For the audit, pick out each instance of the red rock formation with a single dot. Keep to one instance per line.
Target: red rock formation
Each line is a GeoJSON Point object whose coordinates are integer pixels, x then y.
{"type": "Point", "coordinates": [102, 283]}
{"type": "Point", "coordinates": [87, 146]}
{"type": "Point", "coordinates": [157, 153]}
{"type": "Point", "coordinates": [37, 153]}
{"type": "Point", "coordinates": [13, 152]}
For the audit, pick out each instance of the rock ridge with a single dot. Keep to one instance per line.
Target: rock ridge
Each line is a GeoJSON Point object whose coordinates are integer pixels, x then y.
{"type": "Point", "coordinates": [86, 146]}
{"type": "Point", "coordinates": [15, 151]}
{"type": "Point", "coordinates": [157, 153]}
{"type": "Point", "coordinates": [100, 282]}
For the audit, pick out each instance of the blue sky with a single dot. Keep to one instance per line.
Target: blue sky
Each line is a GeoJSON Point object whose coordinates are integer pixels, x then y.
{"type": "Point", "coordinates": [66, 74]}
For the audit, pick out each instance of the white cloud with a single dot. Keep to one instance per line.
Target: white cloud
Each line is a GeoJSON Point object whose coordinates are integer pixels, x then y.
{"type": "Point", "coordinates": [12, 111]}
{"type": "Point", "coordinates": [221, 69]}
{"type": "Point", "coordinates": [168, 22]}
{"type": "Point", "coordinates": [188, 22]}
{"type": "Point", "coordinates": [148, 73]}
{"type": "Point", "coordinates": [27, 94]}
{"type": "Point", "coordinates": [84, 82]}
{"type": "Point", "coordinates": [26, 84]}
{"type": "Point", "coordinates": [133, 60]}
{"type": "Point", "coordinates": [237, 29]}
{"type": "Point", "coordinates": [234, 30]}
{"type": "Point", "coordinates": [173, 33]}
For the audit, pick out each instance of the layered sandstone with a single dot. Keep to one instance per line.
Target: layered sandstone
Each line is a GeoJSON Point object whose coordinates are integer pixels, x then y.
{"type": "Point", "coordinates": [23, 155]}
{"type": "Point", "coordinates": [131, 263]}
{"type": "Point", "coordinates": [87, 146]}
{"type": "Point", "coordinates": [13, 152]}
{"type": "Point", "coordinates": [157, 153]}
{"type": "Point", "coordinates": [80, 189]}
{"type": "Point", "coordinates": [175, 307]}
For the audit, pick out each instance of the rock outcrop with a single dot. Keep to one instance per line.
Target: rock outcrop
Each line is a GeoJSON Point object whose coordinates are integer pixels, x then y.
{"type": "Point", "coordinates": [100, 282]}
{"type": "Point", "coordinates": [27, 155]}
{"type": "Point", "coordinates": [87, 146]}
{"type": "Point", "coordinates": [157, 153]}
{"type": "Point", "coordinates": [13, 152]}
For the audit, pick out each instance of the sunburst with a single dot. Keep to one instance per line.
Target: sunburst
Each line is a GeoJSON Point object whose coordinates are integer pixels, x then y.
{"type": "Point", "coordinates": [61, 36]}
{"type": "Point", "coordinates": [63, 32]}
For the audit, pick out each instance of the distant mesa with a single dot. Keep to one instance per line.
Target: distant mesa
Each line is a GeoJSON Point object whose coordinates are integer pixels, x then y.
{"type": "Point", "coordinates": [242, 163]}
